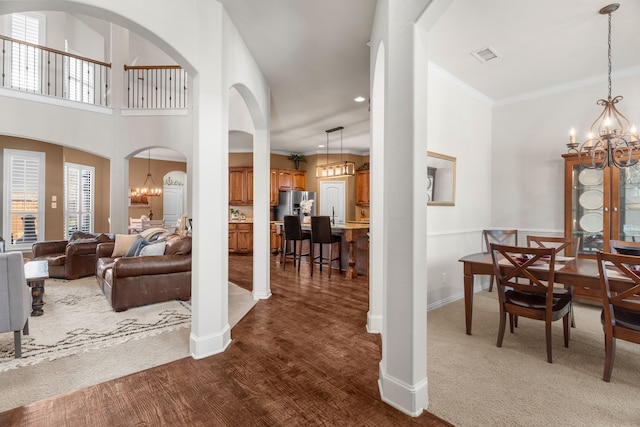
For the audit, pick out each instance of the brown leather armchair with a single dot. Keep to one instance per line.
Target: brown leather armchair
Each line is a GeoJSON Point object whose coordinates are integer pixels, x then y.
{"type": "Point", "coordinates": [141, 280]}
{"type": "Point", "coordinates": [73, 258]}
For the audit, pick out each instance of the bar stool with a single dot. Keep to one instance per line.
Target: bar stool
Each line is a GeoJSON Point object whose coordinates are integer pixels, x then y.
{"type": "Point", "coordinates": [321, 235]}
{"type": "Point", "coordinates": [293, 233]}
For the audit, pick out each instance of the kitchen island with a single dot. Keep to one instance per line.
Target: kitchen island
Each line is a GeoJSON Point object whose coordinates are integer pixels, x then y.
{"type": "Point", "coordinates": [355, 245]}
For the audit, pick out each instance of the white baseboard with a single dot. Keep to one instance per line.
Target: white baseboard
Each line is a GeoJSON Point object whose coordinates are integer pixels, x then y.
{"type": "Point", "coordinates": [201, 347]}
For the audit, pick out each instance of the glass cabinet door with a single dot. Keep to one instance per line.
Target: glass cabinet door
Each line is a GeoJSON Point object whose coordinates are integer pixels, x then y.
{"type": "Point", "coordinates": [588, 202]}
{"type": "Point", "coordinates": [628, 227]}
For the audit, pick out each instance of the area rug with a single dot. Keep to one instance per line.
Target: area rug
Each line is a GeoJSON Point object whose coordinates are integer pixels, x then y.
{"type": "Point", "coordinates": [78, 318]}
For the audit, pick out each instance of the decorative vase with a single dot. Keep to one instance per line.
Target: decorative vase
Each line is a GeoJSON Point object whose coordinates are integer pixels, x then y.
{"type": "Point", "coordinates": [306, 219]}
{"type": "Point", "coordinates": [297, 164]}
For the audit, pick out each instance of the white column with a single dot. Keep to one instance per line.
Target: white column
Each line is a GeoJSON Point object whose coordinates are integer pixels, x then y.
{"type": "Point", "coordinates": [210, 331]}
{"type": "Point", "coordinates": [403, 373]}
{"type": "Point", "coordinates": [119, 183]}
{"type": "Point", "coordinates": [261, 207]}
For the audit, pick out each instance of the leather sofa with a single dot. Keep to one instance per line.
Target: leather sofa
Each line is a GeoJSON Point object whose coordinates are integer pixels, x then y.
{"type": "Point", "coordinates": [140, 280]}
{"type": "Point", "coordinates": [73, 258]}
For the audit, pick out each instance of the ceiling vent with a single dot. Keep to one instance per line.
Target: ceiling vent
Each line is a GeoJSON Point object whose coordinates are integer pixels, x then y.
{"type": "Point", "coordinates": [485, 54]}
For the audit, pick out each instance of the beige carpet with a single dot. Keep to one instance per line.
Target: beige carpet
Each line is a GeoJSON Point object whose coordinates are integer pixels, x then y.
{"type": "Point", "coordinates": [26, 384]}
{"type": "Point", "coordinates": [474, 383]}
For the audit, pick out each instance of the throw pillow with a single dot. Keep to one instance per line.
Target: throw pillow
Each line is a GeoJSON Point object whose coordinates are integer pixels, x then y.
{"type": "Point", "coordinates": [153, 249]}
{"type": "Point", "coordinates": [122, 245]}
{"type": "Point", "coordinates": [143, 244]}
{"type": "Point", "coordinates": [135, 246]}
{"type": "Point", "coordinates": [152, 232]}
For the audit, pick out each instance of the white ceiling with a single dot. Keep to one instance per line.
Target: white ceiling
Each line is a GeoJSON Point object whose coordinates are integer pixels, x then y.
{"type": "Point", "coordinates": [315, 57]}
{"type": "Point", "coordinates": [313, 53]}
{"type": "Point", "coordinates": [543, 44]}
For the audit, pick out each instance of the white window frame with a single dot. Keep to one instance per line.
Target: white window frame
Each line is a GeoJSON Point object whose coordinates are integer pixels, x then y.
{"type": "Point", "coordinates": [80, 81]}
{"type": "Point", "coordinates": [83, 209]}
{"type": "Point", "coordinates": [23, 57]}
{"type": "Point", "coordinates": [37, 160]}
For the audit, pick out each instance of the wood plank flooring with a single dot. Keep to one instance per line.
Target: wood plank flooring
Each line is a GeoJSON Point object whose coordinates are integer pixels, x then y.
{"type": "Point", "coordinates": [302, 357]}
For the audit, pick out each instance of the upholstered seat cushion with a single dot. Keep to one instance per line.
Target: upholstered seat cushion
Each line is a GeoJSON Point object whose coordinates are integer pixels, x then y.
{"type": "Point", "coordinates": [624, 318]}
{"type": "Point", "coordinates": [536, 301]}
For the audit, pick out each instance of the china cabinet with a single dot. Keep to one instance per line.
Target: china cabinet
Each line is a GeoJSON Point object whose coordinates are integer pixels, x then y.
{"type": "Point", "coordinates": [601, 205]}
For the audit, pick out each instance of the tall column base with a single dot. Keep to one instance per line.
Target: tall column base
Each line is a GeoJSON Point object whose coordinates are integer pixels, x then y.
{"type": "Point", "coordinates": [410, 399]}
{"type": "Point", "coordinates": [201, 347]}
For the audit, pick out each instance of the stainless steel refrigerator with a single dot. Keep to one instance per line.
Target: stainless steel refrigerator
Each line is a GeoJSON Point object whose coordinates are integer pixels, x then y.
{"type": "Point", "coordinates": [289, 203]}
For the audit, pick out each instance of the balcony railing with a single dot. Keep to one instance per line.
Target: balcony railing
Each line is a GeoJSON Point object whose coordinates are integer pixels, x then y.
{"type": "Point", "coordinates": [44, 71]}
{"type": "Point", "coordinates": [156, 86]}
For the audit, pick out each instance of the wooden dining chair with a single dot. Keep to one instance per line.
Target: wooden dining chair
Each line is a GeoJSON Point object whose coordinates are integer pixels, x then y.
{"type": "Point", "coordinates": [294, 237]}
{"type": "Point", "coordinates": [152, 223]}
{"type": "Point", "coordinates": [500, 237]}
{"type": "Point", "coordinates": [532, 297]}
{"type": "Point", "coordinates": [564, 246]}
{"type": "Point", "coordinates": [625, 247]}
{"type": "Point", "coordinates": [621, 303]}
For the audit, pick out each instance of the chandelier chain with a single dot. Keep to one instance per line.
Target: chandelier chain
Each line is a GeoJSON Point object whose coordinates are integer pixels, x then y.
{"type": "Point", "coordinates": [609, 55]}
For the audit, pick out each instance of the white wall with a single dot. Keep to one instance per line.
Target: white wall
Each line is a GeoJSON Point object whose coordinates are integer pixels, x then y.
{"type": "Point", "coordinates": [459, 125]}
{"type": "Point", "coordinates": [528, 140]}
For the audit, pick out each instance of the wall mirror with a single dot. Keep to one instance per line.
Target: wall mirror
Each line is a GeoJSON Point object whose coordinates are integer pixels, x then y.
{"type": "Point", "coordinates": [441, 185]}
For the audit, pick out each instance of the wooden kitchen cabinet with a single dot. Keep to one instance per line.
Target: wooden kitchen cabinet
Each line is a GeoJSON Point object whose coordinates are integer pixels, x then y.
{"type": "Point", "coordinates": [273, 181]}
{"type": "Point", "coordinates": [286, 179]}
{"type": "Point", "coordinates": [362, 188]}
{"type": "Point", "coordinates": [240, 186]}
{"type": "Point", "coordinates": [275, 239]}
{"type": "Point", "coordinates": [299, 180]}
{"type": "Point", "coordinates": [240, 238]}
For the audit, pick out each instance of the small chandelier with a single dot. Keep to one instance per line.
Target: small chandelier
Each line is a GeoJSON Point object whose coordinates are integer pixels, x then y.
{"type": "Point", "coordinates": [611, 141]}
{"type": "Point", "coordinates": [336, 169]}
{"type": "Point", "coordinates": [149, 188]}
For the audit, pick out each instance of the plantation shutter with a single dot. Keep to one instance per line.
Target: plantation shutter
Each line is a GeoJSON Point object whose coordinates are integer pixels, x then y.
{"type": "Point", "coordinates": [79, 198]}
{"type": "Point", "coordinates": [25, 207]}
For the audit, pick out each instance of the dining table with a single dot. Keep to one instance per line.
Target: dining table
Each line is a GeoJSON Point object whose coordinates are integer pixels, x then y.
{"type": "Point", "coordinates": [581, 272]}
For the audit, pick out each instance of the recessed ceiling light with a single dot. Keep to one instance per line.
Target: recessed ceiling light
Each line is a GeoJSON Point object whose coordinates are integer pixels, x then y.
{"type": "Point", "coordinates": [359, 99]}
{"type": "Point", "coordinates": [321, 146]}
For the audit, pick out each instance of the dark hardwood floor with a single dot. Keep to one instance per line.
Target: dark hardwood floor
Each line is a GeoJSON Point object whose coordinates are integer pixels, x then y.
{"type": "Point", "coordinates": [302, 357]}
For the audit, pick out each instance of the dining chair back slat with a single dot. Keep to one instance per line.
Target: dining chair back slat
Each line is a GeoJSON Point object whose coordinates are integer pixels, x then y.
{"type": "Point", "coordinates": [501, 237]}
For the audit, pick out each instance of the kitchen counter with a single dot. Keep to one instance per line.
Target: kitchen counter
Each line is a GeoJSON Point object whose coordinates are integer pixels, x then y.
{"type": "Point", "coordinates": [355, 244]}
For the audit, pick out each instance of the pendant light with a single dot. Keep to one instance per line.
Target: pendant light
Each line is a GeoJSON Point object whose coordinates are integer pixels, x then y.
{"type": "Point", "coordinates": [149, 188]}
{"type": "Point", "coordinates": [335, 169]}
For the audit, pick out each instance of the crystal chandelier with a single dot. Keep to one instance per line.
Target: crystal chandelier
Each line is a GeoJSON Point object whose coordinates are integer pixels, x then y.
{"type": "Point", "coordinates": [149, 188]}
{"type": "Point", "coordinates": [611, 141]}
{"type": "Point", "coordinates": [336, 169]}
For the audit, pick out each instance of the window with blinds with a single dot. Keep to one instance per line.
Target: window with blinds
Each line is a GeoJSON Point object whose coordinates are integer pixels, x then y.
{"type": "Point", "coordinates": [78, 198]}
{"type": "Point", "coordinates": [25, 60]}
{"type": "Point", "coordinates": [80, 81]}
{"type": "Point", "coordinates": [24, 198]}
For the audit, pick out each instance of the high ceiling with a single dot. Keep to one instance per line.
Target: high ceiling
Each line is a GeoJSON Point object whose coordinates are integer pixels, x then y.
{"type": "Point", "coordinates": [314, 55]}
{"type": "Point", "coordinates": [543, 44]}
